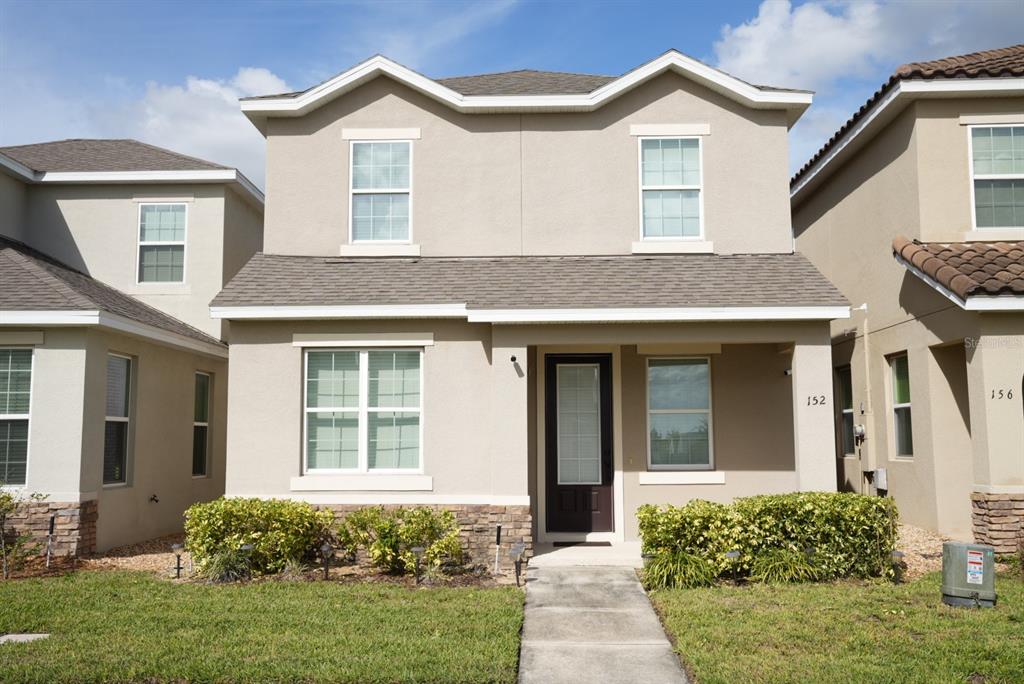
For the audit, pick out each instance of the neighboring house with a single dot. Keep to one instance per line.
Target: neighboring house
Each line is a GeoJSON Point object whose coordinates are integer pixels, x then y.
{"type": "Point", "coordinates": [915, 208]}
{"type": "Point", "coordinates": [539, 299]}
{"type": "Point", "coordinates": [113, 377]}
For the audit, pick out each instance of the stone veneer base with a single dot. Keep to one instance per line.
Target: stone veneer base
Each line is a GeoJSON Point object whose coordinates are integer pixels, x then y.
{"type": "Point", "coordinates": [74, 530]}
{"type": "Point", "coordinates": [998, 520]}
{"type": "Point", "coordinates": [477, 524]}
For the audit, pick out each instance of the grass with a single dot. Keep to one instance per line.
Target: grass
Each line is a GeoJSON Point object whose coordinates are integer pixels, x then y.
{"type": "Point", "coordinates": [123, 626]}
{"type": "Point", "coordinates": [845, 632]}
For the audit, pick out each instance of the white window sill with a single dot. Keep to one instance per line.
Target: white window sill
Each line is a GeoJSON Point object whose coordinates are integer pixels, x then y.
{"type": "Point", "coordinates": [682, 477]}
{"type": "Point", "coordinates": [995, 234]}
{"type": "Point", "coordinates": [362, 483]}
{"type": "Point", "coordinates": [673, 247]}
{"type": "Point", "coordinates": [380, 249]}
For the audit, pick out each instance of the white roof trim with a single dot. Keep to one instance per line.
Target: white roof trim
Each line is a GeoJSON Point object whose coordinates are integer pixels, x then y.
{"type": "Point", "coordinates": [889, 106]}
{"type": "Point", "coordinates": [334, 312]}
{"type": "Point", "coordinates": [17, 168]}
{"type": "Point", "coordinates": [111, 321]}
{"type": "Point", "coordinates": [198, 176]}
{"type": "Point", "coordinates": [736, 313]}
{"type": "Point", "coordinates": [721, 82]}
{"type": "Point", "coordinates": [973, 303]}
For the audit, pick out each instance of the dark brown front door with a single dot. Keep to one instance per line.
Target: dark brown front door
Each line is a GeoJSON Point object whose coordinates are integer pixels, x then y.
{"type": "Point", "coordinates": [578, 442]}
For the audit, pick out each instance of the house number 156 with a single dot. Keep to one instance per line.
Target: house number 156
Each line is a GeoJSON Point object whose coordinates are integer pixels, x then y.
{"type": "Point", "coordinates": [1002, 394]}
{"type": "Point", "coordinates": [816, 400]}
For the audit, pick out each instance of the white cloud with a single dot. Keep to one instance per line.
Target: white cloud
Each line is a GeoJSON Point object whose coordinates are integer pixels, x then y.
{"type": "Point", "coordinates": [845, 50]}
{"type": "Point", "coordinates": [200, 118]}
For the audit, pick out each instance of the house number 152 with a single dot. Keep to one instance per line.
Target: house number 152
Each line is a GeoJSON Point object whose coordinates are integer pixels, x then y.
{"type": "Point", "coordinates": [816, 400]}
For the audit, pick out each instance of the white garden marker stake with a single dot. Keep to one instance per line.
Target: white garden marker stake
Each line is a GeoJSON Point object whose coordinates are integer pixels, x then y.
{"type": "Point", "coordinates": [497, 550]}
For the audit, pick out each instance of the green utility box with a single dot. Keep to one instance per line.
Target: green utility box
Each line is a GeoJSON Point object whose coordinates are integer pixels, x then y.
{"type": "Point", "coordinates": [968, 575]}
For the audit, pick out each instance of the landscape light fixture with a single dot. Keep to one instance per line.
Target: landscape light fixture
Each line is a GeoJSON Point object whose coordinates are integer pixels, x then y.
{"type": "Point", "coordinates": [518, 554]}
{"type": "Point", "coordinates": [417, 552]}
{"type": "Point", "coordinates": [733, 555]}
{"type": "Point", "coordinates": [176, 550]}
{"type": "Point", "coordinates": [247, 550]}
{"type": "Point", "coordinates": [326, 553]}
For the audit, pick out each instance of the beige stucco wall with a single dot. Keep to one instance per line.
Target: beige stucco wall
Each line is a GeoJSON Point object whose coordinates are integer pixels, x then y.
{"type": "Point", "coordinates": [13, 207]}
{"type": "Point", "coordinates": [500, 184]}
{"type": "Point", "coordinates": [66, 430]}
{"type": "Point", "coordinates": [483, 425]}
{"type": "Point", "coordinates": [160, 456]}
{"type": "Point", "coordinates": [912, 180]}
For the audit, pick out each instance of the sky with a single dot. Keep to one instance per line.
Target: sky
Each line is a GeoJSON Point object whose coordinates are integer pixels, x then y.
{"type": "Point", "coordinates": [170, 73]}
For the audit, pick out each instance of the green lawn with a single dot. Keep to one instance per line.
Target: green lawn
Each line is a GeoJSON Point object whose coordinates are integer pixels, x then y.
{"type": "Point", "coordinates": [120, 626]}
{"type": "Point", "coordinates": [845, 632]}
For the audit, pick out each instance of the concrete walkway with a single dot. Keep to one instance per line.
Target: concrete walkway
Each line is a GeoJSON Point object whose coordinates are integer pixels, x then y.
{"type": "Point", "coordinates": [593, 624]}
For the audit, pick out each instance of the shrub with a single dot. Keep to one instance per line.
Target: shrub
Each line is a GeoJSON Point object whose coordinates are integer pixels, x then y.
{"type": "Point", "coordinates": [670, 569]}
{"type": "Point", "coordinates": [852, 535]}
{"type": "Point", "coordinates": [388, 537]}
{"type": "Point", "coordinates": [15, 547]}
{"type": "Point", "coordinates": [225, 565]}
{"type": "Point", "coordinates": [279, 531]}
{"type": "Point", "coordinates": [782, 566]}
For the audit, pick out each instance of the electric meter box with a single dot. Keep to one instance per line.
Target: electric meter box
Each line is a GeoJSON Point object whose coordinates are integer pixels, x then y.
{"type": "Point", "coordinates": [968, 575]}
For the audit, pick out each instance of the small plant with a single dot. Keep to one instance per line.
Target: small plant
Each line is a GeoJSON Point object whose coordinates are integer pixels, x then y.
{"type": "Point", "coordinates": [225, 565]}
{"type": "Point", "coordinates": [279, 531]}
{"type": "Point", "coordinates": [672, 569]}
{"type": "Point", "coordinates": [1020, 553]}
{"type": "Point", "coordinates": [782, 566]}
{"type": "Point", "coordinates": [15, 548]}
{"type": "Point", "coordinates": [388, 536]}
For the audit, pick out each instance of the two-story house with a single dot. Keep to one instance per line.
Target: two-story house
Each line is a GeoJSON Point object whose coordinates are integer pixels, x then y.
{"type": "Point", "coordinates": [538, 299]}
{"type": "Point", "coordinates": [113, 376]}
{"type": "Point", "coordinates": [915, 210]}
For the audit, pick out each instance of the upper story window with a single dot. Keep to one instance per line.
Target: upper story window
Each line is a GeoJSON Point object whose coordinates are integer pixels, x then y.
{"type": "Point", "coordinates": [15, 401]}
{"type": "Point", "coordinates": [670, 189]}
{"type": "Point", "coordinates": [381, 194]}
{"type": "Point", "coordinates": [162, 242]}
{"type": "Point", "coordinates": [997, 171]}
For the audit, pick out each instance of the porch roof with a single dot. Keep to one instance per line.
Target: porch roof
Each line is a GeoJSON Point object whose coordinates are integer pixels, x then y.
{"type": "Point", "coordinates": [531, 283]}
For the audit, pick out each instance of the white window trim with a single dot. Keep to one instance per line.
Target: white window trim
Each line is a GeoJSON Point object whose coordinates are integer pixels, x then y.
{"type": "Point", "coordinates": [206, 424]}
{"type": "Point", "coordinates": [129, 399]}
{"type": "Point", "coordinates": [699, 187]}
{"type": "Point", "coordinates": [558, 428]}
{"type": "Point", "coordinates": [24, 416]}
{"type": "Point", "coordinates": [892, 403]}
{"type": "Point", "coordinates": [648, 411]}
{"type": "Point", "coordinates": [987, 176]}
{"type": "Point", "coordinates": [352, 192]}
{"type": "Point", "coordinates": [183, 243]}
{"type": "Point", "coordinates": [363, 411]}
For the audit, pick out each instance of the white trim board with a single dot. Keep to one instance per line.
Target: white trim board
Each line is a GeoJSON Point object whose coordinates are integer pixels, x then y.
{"type": "Point", "coordinates": [975, 303]}
{"type": "Point", "coordinates": [111, 321]}
{"type": "Point", "coordinates": [391, 339]}
{"type": "Point", "coordinates": [670, 130]}
{"type": "Point", "coordinates": [596, 315]}
{"type": "Point", "coordinates": [892, 104]}
{"type": "Point", "coordinates": [681, 477]}
{"type": "Point", "coordinates": [367, 482]}
{"type": "Point", "coordinates": [380, 134]}
{"type": "Point", "coordinates": [740, 91]}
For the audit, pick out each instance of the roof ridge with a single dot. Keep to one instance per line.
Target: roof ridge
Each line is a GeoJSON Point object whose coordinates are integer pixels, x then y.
{"type": "Point", "coordinates": [525, 71]}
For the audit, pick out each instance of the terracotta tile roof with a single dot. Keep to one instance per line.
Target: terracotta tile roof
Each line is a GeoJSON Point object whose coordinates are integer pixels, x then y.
{"type": "Point", "coordinates": [533, 282]}
{"type": "Point", "coordinates": [968, 269]}
{"type": "Point", "coordinates": [33, 281]}
{"type": "Point", "coordinates": [998, 63]}
{"type": "Point", "coordinates": [103, 155]}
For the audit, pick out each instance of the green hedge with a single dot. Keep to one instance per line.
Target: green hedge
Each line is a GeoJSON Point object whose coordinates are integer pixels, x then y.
{"type": "Point", "coordinates": [850, 535]}
{"type": "Point", "coordinates": [279, 531]}
{"type": "Point", "coordinates": [387, 536]}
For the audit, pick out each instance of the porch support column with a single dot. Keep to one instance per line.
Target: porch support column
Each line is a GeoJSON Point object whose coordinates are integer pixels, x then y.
{"type": "Point", "coordinates": [509, 441]}
{"type": "Point", "coordinates": [813, 428]}
{"type": "Point", "coordinates": [995, 368]}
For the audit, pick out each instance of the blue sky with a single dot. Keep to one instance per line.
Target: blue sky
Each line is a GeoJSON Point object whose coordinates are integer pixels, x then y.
{"type": "Point", "coordinates": [169, 73]}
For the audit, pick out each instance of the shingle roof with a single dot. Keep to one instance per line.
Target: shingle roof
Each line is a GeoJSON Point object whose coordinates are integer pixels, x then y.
{"type": "Point", "coordinates": [533, 282]}
{"type": "Point", "coordinates": [968, 269]}
{"type": "Point", "coordinates": [33, 281]}
{"type": "Point", "coordinates": [85, 155]}
{"type": "Point", "coordinates": [526, 82]}
{"type": "Point", "coordinates": [998, 63]}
